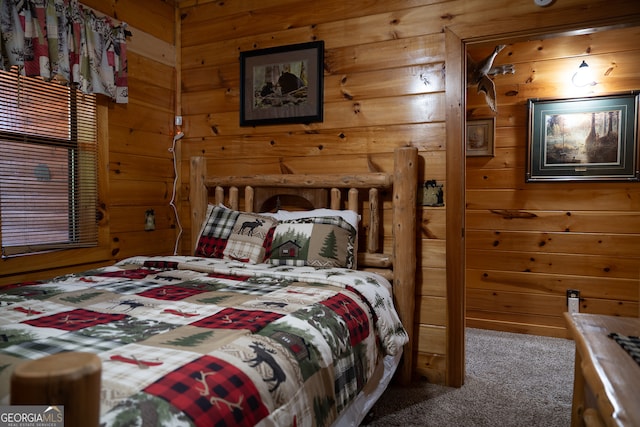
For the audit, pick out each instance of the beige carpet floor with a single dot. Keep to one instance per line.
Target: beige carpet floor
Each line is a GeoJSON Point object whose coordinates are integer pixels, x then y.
{"type": "Point", "coordinates": [512, 380]}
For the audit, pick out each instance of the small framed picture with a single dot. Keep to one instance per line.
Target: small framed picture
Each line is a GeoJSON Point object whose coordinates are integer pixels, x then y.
{"type": "Point", "coordinates": [282, 84]}
{"type": "Point", "coordinates": [481, 137]}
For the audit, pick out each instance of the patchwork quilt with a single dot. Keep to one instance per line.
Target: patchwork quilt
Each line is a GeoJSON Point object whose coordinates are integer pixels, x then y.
{"type": "Point", "coordinates": [190, 341]}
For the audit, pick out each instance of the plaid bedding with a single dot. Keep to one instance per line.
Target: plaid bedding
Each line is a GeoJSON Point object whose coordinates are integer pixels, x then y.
{"type": "Point", "coordinates": [223, 342]}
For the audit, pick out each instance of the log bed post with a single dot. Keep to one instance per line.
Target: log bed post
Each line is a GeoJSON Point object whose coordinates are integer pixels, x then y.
{"type": "Point", "coordinates": [405, 182]}
{"type": "Point", "coordinates": [373, 243]}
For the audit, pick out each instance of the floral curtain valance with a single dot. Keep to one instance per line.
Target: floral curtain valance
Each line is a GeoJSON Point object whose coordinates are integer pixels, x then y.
{"type": "Point", "coordinates": [60, 40]}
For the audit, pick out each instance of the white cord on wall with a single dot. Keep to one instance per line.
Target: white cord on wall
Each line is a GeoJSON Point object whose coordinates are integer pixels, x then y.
{"type": "Point", "coordinates": [172, 203]}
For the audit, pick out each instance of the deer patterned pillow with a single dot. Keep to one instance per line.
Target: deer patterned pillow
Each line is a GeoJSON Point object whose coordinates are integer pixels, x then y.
{"type": "Point", "coordinates": [317, 241]}
{"type": "Point", "coordinates": [231, 234]}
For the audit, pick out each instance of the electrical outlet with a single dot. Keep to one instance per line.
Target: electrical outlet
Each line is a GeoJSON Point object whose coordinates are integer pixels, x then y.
{"type": "Point", "coordinates": [573, 293]}
{"type": "Point", "coordinates": [573, 300]}
{"type": "Point", "coordinates": [178, 120]}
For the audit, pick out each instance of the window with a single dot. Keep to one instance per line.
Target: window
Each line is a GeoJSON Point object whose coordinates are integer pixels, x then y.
{"type": "Point", "coordinates": [48, 166]}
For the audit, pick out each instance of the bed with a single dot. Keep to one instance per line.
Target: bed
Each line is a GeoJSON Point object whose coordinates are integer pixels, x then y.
{"type": "Point", "coordinates": [292, 316]}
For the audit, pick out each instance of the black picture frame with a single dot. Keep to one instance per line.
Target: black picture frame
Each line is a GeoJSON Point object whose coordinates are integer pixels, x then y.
{"type": "Point", "coordinates": [282, 84]}
{"type": "Point", "coordinates": [583, 139]}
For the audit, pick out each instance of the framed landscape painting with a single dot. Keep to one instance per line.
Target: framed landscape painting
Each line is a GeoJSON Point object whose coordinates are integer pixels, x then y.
{"type": "Point", "coordinates": [583, 139]}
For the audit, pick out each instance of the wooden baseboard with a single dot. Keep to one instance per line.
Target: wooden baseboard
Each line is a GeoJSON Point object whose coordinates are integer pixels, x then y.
{"type": "Point", "coordinates": [520, 328]}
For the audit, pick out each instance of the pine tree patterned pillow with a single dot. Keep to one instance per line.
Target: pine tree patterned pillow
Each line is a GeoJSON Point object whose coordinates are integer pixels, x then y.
{"type": "Point", "coordinates": [317, 241]}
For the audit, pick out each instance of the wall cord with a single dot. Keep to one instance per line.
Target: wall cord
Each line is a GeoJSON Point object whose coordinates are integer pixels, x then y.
{"type": "Point", "coordinates": [172, 203]}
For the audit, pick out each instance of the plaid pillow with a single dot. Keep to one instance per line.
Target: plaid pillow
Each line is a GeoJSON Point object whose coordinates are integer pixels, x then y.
{"type": "Point", "coordinates": [317, 241]}
{"type": "Point", "coordinates": [231, 234]}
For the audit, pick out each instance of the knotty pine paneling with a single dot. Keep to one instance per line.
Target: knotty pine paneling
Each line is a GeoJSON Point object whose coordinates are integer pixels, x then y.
{"type": "Point", "coordinates": [381, 91]}
{"type": "Point", "coordinates": [432, 340]}
{"type": "Point", "coordinates": [154, 17]}
{"type": "Point", "coordinates": [431, 366]}
{"type": "Point", "coordinates": [384, 87]}
{"type": "Point", "coordinates": [593, 267]}
{"type": "Point", "coordinates": [384, 69]}
{"type": "Point", "coordinates": [533, 283]}
{"type": "Point", "coordinates": [125, 166]}
{"type": "Point", "coordinates": [534, 314]}
{"type": "Point", "coordinates": [524, 324]}
{"type": "Point", "coordinates": [129, 219]}
{"type": "Point", "coordinates": [431, 309]}
{"type": "Point", "coordinates": [496, 178]}
{"type": "Point", "coordinates": [139, 142]}
{"type": "Point", "coordinates": [127, 244]}
{"type": "Point", "coordinates": [432, 281]}
{"type": "Point", "coordinates": [140, 164]}
{"type": "Point", "coordinates": [428, 137]}
{"type": "Point", "coordinates": [433, 223]}
{"type": "Point", "coordinates": [549, 242]}
{"type": "Point", "coordinates": [408, 109]}
{"type": "Point", "coordinates": [528, 243]}
{"type": "Point", "coordinates": [362, 85]}
{"type": "Point", "coordinates": [139, 193]}
{"type": "Point", "coordinates": [139, 115]}
{"type": "Point", "coordinates": [539, 196]}
{"type": "Point", "coordinates": [554, 221]}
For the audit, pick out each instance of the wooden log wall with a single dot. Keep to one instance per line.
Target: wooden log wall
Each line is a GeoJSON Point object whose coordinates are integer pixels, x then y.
{"type": "Point", "coordinates": [527, 243]}
{"type": "Point", "coordinates": [384, 87]}
{"type": "Point", "coordinates": [135, 141]}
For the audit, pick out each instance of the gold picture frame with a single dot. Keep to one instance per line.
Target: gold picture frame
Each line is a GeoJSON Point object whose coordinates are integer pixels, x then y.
{"type": "Point", "coordinates": [480, 139]}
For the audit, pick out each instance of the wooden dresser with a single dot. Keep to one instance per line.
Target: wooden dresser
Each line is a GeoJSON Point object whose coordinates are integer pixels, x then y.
{"type": "Point", "coordinates": [606, 388]}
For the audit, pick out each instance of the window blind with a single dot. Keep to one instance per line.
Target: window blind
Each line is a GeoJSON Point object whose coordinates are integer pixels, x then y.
{"type": "Point", "coordinates": [48, 166]}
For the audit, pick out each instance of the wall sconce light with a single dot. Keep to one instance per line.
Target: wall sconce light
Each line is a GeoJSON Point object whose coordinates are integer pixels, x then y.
{"type": "Point", "coordinates": [583, 77]}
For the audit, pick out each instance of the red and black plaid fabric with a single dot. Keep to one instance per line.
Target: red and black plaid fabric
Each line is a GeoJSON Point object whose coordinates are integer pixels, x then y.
{"type": "Point", "coordinates": [352, 314]}
{"type": "Point", "coordinates": [231, 318]}
{"type": "Point", "coordinates": [268, 240]}
{"type": "Point", "coordinates": [212, 392]}
{"type": "Point", "coordinates": [236, 235]}
{"type": "Point", "coordinates": [134, 274]}
{"type": "Point", "coordinates": [171, 293]}
{"type": "Point", "coordinates": [211, 247]}
{"type": "Point", "coordinates": [163, 265]}
{"type": "Point", "coordinates": [74, 320]}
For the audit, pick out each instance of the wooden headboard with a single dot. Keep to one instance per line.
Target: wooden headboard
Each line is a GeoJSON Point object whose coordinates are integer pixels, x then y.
{"type": "Point", "coordinates": [399, 266]}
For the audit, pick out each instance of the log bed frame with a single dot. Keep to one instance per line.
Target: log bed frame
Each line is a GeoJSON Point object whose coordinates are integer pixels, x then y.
{"type": "Point", "coordinates": [399, 266]}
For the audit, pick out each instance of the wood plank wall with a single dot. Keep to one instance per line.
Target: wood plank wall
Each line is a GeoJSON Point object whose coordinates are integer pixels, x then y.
{"type": "Point", "coordinates": [141, 132]}
{"type": "Point", "coordinates": [384, 87]}
{"type": "Point", "coordinates": [138, 135]}
{"type": "Point", "coordinates": [527, 243]}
